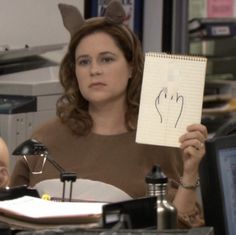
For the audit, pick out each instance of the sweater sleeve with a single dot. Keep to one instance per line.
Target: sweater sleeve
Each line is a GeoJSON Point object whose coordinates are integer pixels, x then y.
{"type": "Point", "coordinates": [194, 218]}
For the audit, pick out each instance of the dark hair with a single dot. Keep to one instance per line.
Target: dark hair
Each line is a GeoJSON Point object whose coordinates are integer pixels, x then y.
{"type": "Point", "coordinates": [72, 108]}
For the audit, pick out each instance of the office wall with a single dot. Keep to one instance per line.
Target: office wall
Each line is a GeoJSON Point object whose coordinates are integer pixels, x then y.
{"type": "Point", "coordinates": [163, 26]}
{"type": "Point", "coordinates": [33, 22]}
{"type": "Point", "coordinates": [152, 25]}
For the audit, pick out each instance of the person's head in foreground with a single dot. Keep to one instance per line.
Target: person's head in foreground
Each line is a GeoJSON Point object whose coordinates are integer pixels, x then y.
{"type": "Point", "coordinates": [4, 164]}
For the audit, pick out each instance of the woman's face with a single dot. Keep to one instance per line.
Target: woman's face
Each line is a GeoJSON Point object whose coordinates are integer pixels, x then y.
{"type": "Point", "coordinates": [101, 69]}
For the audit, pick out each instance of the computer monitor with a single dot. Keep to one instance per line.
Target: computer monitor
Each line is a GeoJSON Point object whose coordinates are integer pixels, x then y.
{"type": "Point", "coordinates": [218, 184]}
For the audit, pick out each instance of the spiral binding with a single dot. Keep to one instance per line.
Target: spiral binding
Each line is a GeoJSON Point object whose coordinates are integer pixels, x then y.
{"type": "Point", "coordinates": [176, 56]}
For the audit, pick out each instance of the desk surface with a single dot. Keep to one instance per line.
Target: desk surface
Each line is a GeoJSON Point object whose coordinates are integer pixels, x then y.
{"type": "Point", "coordinates": [80, 231]}
{"type": "Point", "coordinates": [24, 228]}
{"type": "Point", "coordinates": [16, 224]}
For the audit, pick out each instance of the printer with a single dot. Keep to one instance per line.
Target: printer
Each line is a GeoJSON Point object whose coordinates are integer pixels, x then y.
{"type": "Point", "coordinates": [27, 99]}
{"type": "Point", "coordinates": [33, 40]}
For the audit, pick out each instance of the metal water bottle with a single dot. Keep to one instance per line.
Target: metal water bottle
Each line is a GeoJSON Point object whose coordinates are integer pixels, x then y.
{"type": "Point", "coordinates": [166, 213]}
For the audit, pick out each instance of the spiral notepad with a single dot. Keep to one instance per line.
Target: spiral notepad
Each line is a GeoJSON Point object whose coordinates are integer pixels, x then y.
{"type": "Point", "coordinates": [171, 97]}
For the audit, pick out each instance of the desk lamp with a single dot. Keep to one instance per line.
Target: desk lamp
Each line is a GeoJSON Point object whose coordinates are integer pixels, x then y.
{"type": "Point", "coordinates": [32, 147]}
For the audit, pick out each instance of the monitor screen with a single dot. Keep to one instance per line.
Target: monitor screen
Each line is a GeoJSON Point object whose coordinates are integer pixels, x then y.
{"type": "Point", "coordinates": [227, 168]}
{"type": "Point", "coordinates": [218, 184]}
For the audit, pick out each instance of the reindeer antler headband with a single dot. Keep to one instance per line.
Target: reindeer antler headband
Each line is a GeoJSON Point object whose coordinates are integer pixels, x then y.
{"type": "Point", "coordinates": [73, 20]}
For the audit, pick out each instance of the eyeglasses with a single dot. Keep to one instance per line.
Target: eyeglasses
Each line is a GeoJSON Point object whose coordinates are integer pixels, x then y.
{"type": "Point", "coordinates": [42, 166]}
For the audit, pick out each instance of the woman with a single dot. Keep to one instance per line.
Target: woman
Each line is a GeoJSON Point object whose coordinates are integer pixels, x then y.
{"type": "Point", "coordinates": [94, 134]}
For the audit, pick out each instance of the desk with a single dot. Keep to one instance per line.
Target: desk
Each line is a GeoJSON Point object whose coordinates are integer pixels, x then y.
{"type": "Point", "coordinates": [79, 231]}
{"type": "Point", "coordinates": [26, 228]}
{"type": "Point", "coordinates": [16, 224]}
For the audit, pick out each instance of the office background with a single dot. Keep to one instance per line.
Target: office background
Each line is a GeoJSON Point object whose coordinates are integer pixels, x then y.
{"type": "Point", "coordinates": [33, 41]}
{"type": "Point", "coordinates": [34, 29]}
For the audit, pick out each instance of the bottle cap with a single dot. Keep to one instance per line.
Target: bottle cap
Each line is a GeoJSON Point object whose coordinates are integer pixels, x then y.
{"type": "Point", "coordinates": [156, 176]}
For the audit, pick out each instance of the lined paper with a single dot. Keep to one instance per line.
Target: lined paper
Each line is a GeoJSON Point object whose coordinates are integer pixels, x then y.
{"type": "Point", "coordinates": [171, 97]}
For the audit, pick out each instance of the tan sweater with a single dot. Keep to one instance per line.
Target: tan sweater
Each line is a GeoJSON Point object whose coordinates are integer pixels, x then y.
{"type": "Point", "coordinates": [115, 159]}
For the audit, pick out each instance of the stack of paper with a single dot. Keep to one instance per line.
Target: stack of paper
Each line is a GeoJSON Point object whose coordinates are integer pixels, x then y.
{"type": "Point", "coordinates": [37, 210]}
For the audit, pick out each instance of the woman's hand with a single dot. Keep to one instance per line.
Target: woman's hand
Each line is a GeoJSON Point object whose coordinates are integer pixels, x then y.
{"type": "Point", "coordinates": [193, 147]}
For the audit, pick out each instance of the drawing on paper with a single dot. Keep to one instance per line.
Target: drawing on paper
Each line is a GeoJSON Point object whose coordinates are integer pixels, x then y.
{"type": "Point", "coordinates": [164, 99]}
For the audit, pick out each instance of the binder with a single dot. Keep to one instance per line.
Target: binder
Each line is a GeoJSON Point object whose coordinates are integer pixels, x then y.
{"type": "Point", "coordinates": [35, 210]}
{"type": "Point", "coordinates": [212, 27]}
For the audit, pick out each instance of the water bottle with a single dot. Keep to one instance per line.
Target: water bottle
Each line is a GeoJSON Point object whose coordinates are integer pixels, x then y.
{"type": "Point", "coordinates": [156, 186]}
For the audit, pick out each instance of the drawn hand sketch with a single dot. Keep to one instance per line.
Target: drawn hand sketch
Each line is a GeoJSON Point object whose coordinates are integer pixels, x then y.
{"type": "Point", "coordinates": [171, 97]}
{"type": "Point", "coordinates": [166, 98]}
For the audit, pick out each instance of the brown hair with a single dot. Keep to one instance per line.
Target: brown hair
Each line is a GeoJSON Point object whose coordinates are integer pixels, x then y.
{"type": "Point", "coordinates": [72, 108]}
